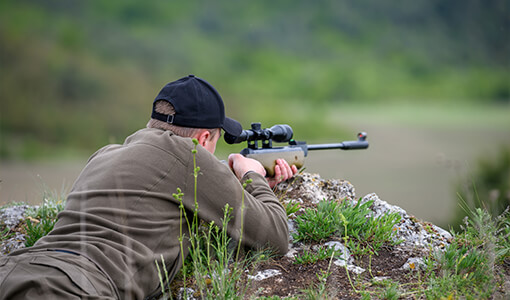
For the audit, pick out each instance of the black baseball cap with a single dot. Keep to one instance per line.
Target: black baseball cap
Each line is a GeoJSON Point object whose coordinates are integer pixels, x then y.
{"type": "Point", "coordinates": [197, 104]}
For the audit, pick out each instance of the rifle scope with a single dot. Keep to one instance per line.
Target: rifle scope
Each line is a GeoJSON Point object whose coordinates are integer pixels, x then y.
{"type": "Point", "coordinates": [278, 133]}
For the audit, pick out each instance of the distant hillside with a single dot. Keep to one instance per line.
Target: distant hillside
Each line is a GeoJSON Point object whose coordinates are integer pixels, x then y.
{"type": "Point", "coordinates": [72, 68]}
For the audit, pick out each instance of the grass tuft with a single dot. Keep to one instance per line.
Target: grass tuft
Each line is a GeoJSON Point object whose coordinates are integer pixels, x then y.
{"type": "Point", "coordinates": [41, 220]}
{"type": "Point", "coordinates": [362, 233]}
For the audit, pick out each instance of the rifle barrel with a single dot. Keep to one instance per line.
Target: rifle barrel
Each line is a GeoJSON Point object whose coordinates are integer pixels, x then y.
{"type": "Point", "coordinates": [344, 145]}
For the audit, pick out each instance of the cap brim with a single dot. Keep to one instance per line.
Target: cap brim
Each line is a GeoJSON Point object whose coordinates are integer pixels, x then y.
{"type": "Point", "coordinates": [232, 127]}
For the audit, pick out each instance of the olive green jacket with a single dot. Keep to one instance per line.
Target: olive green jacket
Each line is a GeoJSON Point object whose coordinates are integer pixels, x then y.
{"type": "Point", "coordinates": [121, 212]}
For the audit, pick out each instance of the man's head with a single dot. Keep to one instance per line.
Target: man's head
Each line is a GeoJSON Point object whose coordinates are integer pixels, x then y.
{"type": "Point", "coordinates": [191, 107]}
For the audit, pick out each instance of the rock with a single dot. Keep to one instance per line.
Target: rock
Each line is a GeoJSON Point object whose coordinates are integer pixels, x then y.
{"type": "Point", "coordinates": [292, 251]}
{"type": "Point", "coordinates": [345, 258]}
{"type": "Point", "coordinates": [412, 232]}
{"type": "Point", "coordinates": [413, 263]}
{"type": "Point", "coordinates": [345, 254]}
{"type": "Point", "coordinates": [13, 243]}
{"type": "Point", "coordinates": [10, 218]}
{"type": "Point", "coordinates": [380, 207]}
{"type": "Point", "coordinates": [354, 269]}
{"type": "Point", "coordinates": [261, 275]}
{"type": "Point", "coordinates": [313, 188]}
{"type": "Point", "coordinates": [381, 278]}
{"type": "Point", "coordinates": [185, 294]}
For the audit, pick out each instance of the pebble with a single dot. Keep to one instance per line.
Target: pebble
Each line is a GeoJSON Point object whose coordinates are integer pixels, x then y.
{"type": "Point", "coordinates": [261, 275]}
{"type": "Point", "coordinates": [413, 263]}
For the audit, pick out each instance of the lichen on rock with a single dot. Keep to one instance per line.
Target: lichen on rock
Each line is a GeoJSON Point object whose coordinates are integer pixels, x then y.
{"type": "Point", "coordinates": [307, 187]}
{"type": "Point", "coordinates": [10, 219]}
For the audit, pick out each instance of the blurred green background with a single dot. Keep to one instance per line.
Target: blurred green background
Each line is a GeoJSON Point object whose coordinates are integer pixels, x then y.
{"type": "Point", "coordinates": [76, 75]}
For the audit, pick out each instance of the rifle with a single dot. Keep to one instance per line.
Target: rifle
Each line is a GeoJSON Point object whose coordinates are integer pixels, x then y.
{"type": "Point", "coordinates": [294, 153]}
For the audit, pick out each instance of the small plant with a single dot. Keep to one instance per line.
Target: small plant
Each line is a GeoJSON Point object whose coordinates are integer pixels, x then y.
{"type": "Point", "coordinates": [276, 298]}
{"type": "Point", "coordinates": [291, 207]}
{"type": "Point", "coordinates": [320, 291]}
{"type": "Point", "coordinates": [162, 280]}
{"type": "Point", "coordinates": [6, 234]}
{"type": "Point", "coordinates": [40, 221]}
{"type": "Point", "coordinates": [481, 229]}
{"type": "Point", "coordinates": [461, 273]}
{"type": "Point", "coordinates": [492, 188]}
{"type": "Point", "coordinates": [362, 233]}
{"type": "Point", "coordinates": [310, 257]}
{"type": "Point", "coordinates": [391, 292]}
{"type": "Point", "coordinates": [466, 268]}
{"type": "Point", "coordinates": [320, 223]}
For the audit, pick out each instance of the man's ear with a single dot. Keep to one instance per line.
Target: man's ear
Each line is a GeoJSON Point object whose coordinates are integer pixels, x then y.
{"type": "Point", "coordinates": [203, 136]}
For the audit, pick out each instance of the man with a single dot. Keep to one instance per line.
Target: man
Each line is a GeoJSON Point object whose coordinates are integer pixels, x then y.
{"type": "Point", "coordinates": [120, 215]}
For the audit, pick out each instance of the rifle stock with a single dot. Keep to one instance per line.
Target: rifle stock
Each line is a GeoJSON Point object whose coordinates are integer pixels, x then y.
{"type": "Point", "coordinates": [267, 157]}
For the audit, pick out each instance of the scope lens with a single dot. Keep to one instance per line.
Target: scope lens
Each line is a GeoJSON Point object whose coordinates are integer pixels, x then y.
{"type": "Point", "coordinates": [230, 139]}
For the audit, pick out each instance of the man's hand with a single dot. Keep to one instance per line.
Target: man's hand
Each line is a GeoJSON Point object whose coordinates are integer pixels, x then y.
{"type": "Point", "coordinates": [282, 172]}
{"type": "Point", "coordinates": [241, 165]}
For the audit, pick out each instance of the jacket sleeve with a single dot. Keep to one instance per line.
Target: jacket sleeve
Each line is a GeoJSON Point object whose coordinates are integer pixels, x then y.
{"type": "Point", "coordinates": [264, 220]}
{"type": "Point", "coordinates": [273, 224]}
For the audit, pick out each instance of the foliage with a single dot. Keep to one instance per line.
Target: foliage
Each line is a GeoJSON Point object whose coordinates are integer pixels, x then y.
{"type": "Point", "coordinates": [98, 64]}
{"type": "Point", "coordinates": [318, 291]}
{"type": "Point", "coordinates": [5, 234]}
{"type": "Point", "coordinates": [391, 292]}
{"type": "Point", "coordinates": [465, 269]}
{"type": "Point", "coordinates": [40, 220]}
{"type": "Point", "coordinates": [481, 230]}
{"type": "Point", "coordinates": [367, 235]}
{"type": "Point", "coordinates": [291, 207]}
{"type": "Point", "coordinates": [318, 224]}
{"type": "Point", "coordinates": [488, 187]}
{"type": "Point", "coordinates": [462, 271]}
{"type": "Point", "coordinates": [311, 257]}
{"type": "Point", "coordinates": [362, 232]}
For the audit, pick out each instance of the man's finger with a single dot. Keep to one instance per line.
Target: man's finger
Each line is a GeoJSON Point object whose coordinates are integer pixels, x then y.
{"type": "Point", "coordinates": [277, 173]}
{"type": "Point", "coordinates": [286, 170]}
{"type": "Point", "coordinates": [289, 171]}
